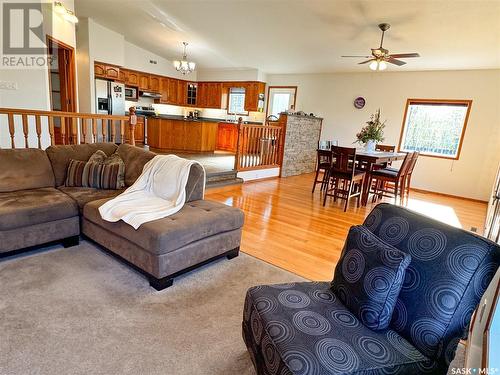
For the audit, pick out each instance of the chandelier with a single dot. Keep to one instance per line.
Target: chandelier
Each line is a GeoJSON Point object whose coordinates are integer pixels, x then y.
{"type": "Point", "coordinates": [184, 66]}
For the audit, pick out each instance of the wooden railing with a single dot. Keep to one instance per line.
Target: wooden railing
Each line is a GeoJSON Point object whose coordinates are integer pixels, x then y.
{"type": "Point", "coordinates": [259, 147]}
{"type": "Point", "coordinates": [56, 127]}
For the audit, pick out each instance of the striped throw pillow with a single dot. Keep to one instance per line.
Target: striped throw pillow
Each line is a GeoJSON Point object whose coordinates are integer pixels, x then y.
{"type": "Point", "coordinates": [103, 175]}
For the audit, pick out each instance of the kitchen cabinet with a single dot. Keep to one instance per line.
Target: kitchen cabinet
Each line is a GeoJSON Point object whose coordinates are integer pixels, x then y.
{"type": "Point", "coordinates": [144, 81]}
{"type": "Point", "coordinates": [112, 72]}
{"type": "Point", "coordinates": [191, 94]}
{"type": "Point", "coordinates": [181, 93]}
{"type": "Point", "coordinates": [227, 137]}
{"type": "Point", "coordinates": [132, 78]}
{"type": "Point", "coordinates": [100, 70]}
{"type": "Point", "coordinates": [252, 92]}
{"type": "Point", "coordinates": [209, 95]}
{"type": "Point", "coordinates": [154, 83]}
{"type": "Point", "coordinates": [122, 75]}
{"type": "Point", "coordinates": [173, 91]}
{"type": "Point", "coordinates": [181, 135]}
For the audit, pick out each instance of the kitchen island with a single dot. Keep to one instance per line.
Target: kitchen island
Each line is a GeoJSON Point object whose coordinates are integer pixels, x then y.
{"type": "Point", "coordinates": [172, 134]}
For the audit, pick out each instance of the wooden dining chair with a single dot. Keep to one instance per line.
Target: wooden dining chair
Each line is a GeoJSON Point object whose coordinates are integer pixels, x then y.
{"type": "Point", "coordinates": [324, 161]}
{"type": "Point", "coordinates": [385, 148]}
{"type": "Point", "coordinates": [409, 173]}
{"type": "Point", "coordinates": [390, 182]}
{"type": "Point", "coordinates": [344, 180]}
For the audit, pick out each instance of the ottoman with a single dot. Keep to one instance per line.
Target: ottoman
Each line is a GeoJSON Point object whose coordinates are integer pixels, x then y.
{"type": "Point", "coordinates": [163, 249]}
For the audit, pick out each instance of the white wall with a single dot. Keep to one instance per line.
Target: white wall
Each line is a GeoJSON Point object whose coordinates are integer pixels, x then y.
{"type": "Point", "coordinates": [229, 75]}
{"type": "Point", "coordinates": [33, 86]}
{"type": "Point", "coordinates": [331, 96]}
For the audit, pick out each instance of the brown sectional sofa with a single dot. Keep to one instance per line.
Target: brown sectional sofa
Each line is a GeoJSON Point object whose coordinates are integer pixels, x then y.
{"type": "Point", "coordinates": [36, 208]}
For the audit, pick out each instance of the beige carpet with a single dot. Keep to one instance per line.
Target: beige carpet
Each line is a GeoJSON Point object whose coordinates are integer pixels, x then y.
{"type": "Point", "coordinates": [79, 311]}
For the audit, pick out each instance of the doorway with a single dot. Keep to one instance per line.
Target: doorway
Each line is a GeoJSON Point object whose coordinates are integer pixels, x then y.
{"type": "Point", "coordinates": [62, 86]}
{"type": "Point", "coordinates": [280, 99]}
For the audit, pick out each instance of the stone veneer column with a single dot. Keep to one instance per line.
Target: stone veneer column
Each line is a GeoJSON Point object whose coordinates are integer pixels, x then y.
{"type": "Point", "coordinates": [301, 141]}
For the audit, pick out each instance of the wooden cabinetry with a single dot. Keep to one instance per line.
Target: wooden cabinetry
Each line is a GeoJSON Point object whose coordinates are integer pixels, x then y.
{"type": "Point", "coordinates": [209, 95]}
{"type": "Point", "coordinates": [227, 137]}
{"type": "Point", "coordinates": [252, 92]}
{"type": "Point", "coordinates": [132, 78]}
{"type": "Point", "coordinates": [154, 83]}
{"type": "Point", "coordinates": [143, 81]}
{"type": "Point", "coordinates": [180, 135]}
{"type": "Point", "coordinates": [123, 76]}
{"type": "Point", "coordinates": [107, 71]}
{"type": "Point", "coordinates": [191, 93]}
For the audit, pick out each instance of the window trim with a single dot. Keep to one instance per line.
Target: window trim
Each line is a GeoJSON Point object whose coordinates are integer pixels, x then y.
{"type": "Point", "coordinates": [280, 87]}
{"type": "Point", "coordinates": [466, 102]}
{"type": "Point", "coordinates": [244, 113]}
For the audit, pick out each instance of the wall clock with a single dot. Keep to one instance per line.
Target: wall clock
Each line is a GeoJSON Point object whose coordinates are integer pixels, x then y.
{"type": "Point", "coordinates": [359, 102]}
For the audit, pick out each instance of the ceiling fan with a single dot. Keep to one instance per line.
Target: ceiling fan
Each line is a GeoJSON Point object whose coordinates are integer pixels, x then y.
{"type": "Point", "coordinates": [380, 56]}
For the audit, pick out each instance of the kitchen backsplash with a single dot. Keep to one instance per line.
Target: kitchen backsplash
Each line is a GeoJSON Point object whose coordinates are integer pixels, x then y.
{"type": "Point", "coordinates": [166, 109]}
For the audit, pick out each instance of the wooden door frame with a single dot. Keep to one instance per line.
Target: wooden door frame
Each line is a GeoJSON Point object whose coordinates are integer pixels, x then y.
{"type": "Point", "coordinates": [280, 87]}
{"type": "Point", "coordinates": [71, 71]}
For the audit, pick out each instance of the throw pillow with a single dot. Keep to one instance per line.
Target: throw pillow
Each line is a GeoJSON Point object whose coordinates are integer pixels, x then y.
{"type": "Point", "coordinates": [369, 277]}
{"type": "Point", "coordinates": [100, 171]}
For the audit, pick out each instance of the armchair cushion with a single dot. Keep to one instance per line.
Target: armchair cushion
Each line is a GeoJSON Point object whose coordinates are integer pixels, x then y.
{"type": "Point", "coordinates": [369, 276]}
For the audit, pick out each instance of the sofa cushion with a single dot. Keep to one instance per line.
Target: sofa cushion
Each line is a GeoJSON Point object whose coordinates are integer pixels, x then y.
{"type": "Point", "coordinates": [95, 175]}
{"type": "Point", "coordinates": [35, 206]}
{"type": "Point", "coordinates": [369, 276]}
{"type": "Point", "coordinates": [83, 195]}
{"type": "Point", "coordinates": [27, 168]}
{"type": "Point", "coordinates": [60, 156]}
{"type": "Point", "coordinates": [195, 221]}
{"type": "Point", "coordinates": [134, 158]}
{"type": "Point", "coordinates": [449, 272]}
{"type": "Point", "coordinates": [303, 328]}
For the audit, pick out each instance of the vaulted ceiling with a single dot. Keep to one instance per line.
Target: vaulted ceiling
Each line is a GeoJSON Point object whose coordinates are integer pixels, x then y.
{"type": "Point", "coordinates": [307, 36]}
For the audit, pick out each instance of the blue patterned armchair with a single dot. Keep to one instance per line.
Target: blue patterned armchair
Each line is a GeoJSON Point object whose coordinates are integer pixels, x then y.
{"type": "Point", "coordinates": [303, 328]}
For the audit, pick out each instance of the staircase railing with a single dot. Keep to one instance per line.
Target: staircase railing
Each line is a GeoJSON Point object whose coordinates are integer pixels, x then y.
{"type": "Point", "coordinates": [258, 147]}
{"type": "Point", "coordinates": [35, 128]}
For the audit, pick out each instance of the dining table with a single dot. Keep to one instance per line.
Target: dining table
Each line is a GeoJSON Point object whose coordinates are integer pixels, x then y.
{"type": "Point", "coordinates": [370, 158]}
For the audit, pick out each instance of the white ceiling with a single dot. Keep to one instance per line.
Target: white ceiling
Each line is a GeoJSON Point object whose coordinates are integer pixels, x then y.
{"type": "Point", "coordinates": [307, 36]}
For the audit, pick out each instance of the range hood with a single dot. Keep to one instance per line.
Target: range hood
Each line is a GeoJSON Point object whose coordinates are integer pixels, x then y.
{"type": "Point", "coordinates": [149, 94]}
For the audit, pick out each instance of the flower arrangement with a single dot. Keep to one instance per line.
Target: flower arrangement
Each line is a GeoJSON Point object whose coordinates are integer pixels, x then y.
{"type": "Point", "coordinates": [372, 131]}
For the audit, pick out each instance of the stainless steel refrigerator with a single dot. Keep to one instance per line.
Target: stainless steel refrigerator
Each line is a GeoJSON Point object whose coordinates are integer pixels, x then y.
{"type": "Point", "coordinates": [492, 226]}
{"type": "Point", "coordinates": [110, 100]}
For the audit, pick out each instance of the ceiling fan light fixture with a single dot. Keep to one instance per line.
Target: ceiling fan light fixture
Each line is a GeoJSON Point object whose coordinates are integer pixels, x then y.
{"type": "Point", "coordinates": [378, 65]}
{"type": "Point", "coordinates": [382, 65]}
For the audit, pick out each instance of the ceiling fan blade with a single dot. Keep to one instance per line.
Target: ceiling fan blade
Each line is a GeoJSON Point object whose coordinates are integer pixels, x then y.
{"type": "Point", "coordinates": [395, 62]}
{"type": "Point", "coordinates": [404, 55]}
{"type": "Point", "coordinates": [366, 57]}
{"type": "Point", "coordinates": [366, 62]}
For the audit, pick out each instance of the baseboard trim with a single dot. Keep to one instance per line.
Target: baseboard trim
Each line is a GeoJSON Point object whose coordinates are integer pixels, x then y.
{"type": "Point", "coordinates": [447, 195]}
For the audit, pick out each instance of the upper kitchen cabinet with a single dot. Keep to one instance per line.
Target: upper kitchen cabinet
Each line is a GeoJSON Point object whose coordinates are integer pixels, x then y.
{"type": "Point", "coordinates": [169, 90]}
{"type": "Point", "coordinates": [144, 81]}
{"type": "Point", "coordinates": [173, 91]}
{"type": "Point", "coordinates": [209, 95]}
{"type": "Point", "coordinates": [254, 95]}
{"type": "Point", "coordinates": [154, 83]}
{"type": "Point", "coordinates": [132, 78]}
{"type": "Point", "coordinates": [191, 93]}
{"type": "Point", "coordinates": [102, 70]}
{"type": "Point", "coordinates": [122, 75]}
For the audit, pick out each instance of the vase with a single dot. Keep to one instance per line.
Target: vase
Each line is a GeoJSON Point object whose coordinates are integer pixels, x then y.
{"type": "Point", "coordinates": [370, 146]}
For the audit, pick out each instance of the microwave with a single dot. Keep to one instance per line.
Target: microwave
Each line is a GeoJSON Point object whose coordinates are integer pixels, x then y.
{"type": "Point", "coordinates": [131, 93]}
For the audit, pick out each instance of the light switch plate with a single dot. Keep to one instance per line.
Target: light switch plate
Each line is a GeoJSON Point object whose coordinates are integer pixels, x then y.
{"type": "Point", "coordinates": [4, 85]}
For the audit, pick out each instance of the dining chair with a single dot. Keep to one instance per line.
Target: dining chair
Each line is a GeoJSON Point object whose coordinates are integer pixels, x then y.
{"type": "Point", "coordinates": [385, 148]}
{"type": "Point", "coordinates": [409, 172]}
{"type": "Point", "coordinates": [389, 182]}
{"type": "Point", "coordinates": [323, 163]}
{"type": "Point", "coordinates": [344, 180]}
{"type": "Point", "coordinates": [324, 145]}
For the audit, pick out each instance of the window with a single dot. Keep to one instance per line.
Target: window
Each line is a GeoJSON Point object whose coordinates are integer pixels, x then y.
{"type": "Point", "coordinates": [280, 99]}
{"type": "Point", "coordinates": [237, 101]}
{"type": "Point", "coordinates": [435, 127]}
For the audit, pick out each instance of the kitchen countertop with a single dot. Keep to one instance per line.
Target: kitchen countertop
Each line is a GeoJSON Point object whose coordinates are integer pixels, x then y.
{"type": "Point", "coordinates": [200, 119]}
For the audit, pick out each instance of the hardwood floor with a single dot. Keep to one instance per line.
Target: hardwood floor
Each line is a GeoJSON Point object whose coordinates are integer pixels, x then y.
{"type": "Point", "coordinates": [286, 225]}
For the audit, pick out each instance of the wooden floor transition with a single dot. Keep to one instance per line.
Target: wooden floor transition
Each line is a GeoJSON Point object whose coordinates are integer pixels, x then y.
{"type": "Point", "coordinates": [286, 225]}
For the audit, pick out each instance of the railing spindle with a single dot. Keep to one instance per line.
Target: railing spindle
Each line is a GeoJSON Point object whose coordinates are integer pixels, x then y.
{"type": "Point", "coordinates": [10, 117]}
{"type": "Point", "coordinates": [51, 130]}
{"type": "Point", "coordinates": [38, 127]}
{"type": "Point", "coordinates": [122, 131]}
{"type": "Point", "coordinates": [104, 130]}
{"type": "Point", "coordinates": [113, 132]}
{"type": "Point", "coordinates": [25, 130]}
{"type": "Point", "coordinates": [83, 124]}
{"type": "Point", "coordinates": [62, 122]}
{"type": "Point", "coordinates": [94, 130]}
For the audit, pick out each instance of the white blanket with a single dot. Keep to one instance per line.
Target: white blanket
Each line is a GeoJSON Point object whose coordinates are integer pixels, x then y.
{"type": "Point", "coordinates": [159, 191]}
